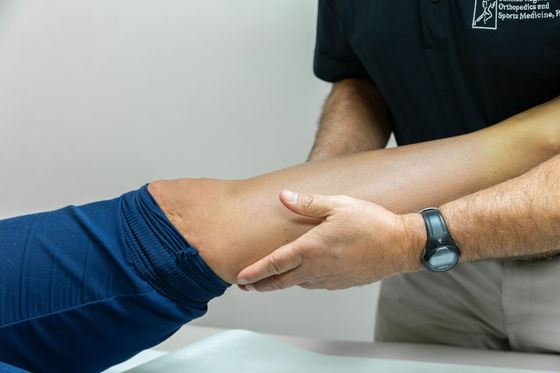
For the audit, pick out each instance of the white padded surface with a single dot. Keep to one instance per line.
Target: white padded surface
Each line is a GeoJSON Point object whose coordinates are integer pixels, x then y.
{"type": "Point", "coordinates": [248, 352]}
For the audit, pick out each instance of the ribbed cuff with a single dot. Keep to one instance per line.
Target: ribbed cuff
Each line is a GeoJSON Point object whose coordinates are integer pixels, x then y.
{"type": "Point", "coordinates": [164, 257]}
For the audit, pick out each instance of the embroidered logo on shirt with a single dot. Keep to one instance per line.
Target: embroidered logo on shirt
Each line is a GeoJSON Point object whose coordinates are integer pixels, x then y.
{"type": "Point", "coordinates": [485, 14]}
{"type": "Point", "coordinates": [488, 13]}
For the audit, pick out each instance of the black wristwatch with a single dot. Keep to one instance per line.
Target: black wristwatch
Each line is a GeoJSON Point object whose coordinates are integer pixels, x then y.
{"type": "Point", "coordinates": [441, 252]}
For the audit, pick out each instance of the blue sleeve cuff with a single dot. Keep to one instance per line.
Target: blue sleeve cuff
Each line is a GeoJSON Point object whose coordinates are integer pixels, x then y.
{"type": "Point", "coordinates": [163, 256]}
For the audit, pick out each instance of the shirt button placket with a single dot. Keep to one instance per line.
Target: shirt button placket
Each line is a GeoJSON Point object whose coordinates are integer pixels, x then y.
{"type": "Point", "coordinates": [432, 15]}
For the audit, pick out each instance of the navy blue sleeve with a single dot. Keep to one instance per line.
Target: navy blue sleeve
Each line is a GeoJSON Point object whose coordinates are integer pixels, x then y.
{"type": "Point", "coordinates": [334, 58]}
{"type": "Point", "coordinates": [84, 288]}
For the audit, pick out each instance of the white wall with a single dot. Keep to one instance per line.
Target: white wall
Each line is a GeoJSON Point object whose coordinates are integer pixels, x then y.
{"type": "Point", "coordinates": [98, 97]}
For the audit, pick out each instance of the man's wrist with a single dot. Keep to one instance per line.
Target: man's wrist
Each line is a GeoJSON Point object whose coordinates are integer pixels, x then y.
{"type": "Point", "coordinates": [455, 213]}
{"type": "Point", "coordinates": [414, 234]}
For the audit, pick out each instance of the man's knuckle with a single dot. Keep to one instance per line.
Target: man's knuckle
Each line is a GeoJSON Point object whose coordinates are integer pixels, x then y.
{"type": "Point", "coordinates": [294, 255]}
{"type": "Point", "coordinates": [274, 265]}
{"type": "Point", "coordinates": [277, 284]}
{"type": "Point", "coordinates": [308, 201]}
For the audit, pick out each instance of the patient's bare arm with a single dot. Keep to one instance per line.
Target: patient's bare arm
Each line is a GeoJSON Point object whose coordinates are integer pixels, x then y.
{"type": "Point", "coordinates": [235, 223]}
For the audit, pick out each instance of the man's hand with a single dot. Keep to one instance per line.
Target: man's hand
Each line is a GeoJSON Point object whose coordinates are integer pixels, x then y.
{"type": "Point", "coordinates": [357, 243]}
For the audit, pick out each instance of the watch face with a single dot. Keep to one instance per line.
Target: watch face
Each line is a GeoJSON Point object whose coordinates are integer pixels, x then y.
{"type": "Point", "coordinates": [443, 259]}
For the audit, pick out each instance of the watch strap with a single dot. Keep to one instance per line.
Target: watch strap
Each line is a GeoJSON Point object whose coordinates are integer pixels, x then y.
{"type": "Point", "coordinates": [436, 229]}
{"type": "Point", "coordinates": [438, 238]}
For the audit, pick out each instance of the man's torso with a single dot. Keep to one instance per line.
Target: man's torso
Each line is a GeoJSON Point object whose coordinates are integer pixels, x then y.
{"type": "Point", "coordinates": [447, 67]}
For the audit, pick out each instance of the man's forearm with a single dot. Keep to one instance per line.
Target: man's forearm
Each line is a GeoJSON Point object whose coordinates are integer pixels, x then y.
{"type": "Point", "coordinates": [517, 218]}
{"type": "Point", "coordinates": [355, 118]}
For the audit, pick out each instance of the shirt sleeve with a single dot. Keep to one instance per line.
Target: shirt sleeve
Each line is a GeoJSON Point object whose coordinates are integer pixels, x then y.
{"type": "Point", "coordinates": [86, 287]}
{"type": "Point", "coordinates": [334, 58]}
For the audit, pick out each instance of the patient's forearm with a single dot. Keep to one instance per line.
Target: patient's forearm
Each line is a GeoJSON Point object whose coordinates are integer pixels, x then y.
{"type": "Point", "coordinates": [235, 223]}
{"type": "Point", "coordinates": [408, 178]}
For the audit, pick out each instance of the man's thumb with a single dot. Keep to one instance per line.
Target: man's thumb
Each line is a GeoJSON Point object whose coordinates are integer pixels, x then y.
{"type": "Point", "coordinates": [315, 206]}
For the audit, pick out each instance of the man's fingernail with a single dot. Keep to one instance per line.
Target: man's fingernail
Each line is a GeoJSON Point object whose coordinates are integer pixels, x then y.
{"type": "Point", "coordinates": [243, 282]}
{"type": "Point", "coordinates": [249, 288]}
{"type": "Point", "coordinates": [291, 196]}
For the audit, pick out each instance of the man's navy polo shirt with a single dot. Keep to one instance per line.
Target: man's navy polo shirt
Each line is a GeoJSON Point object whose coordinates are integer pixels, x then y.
{"type": "Point", "coordinates": [444, 67]}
